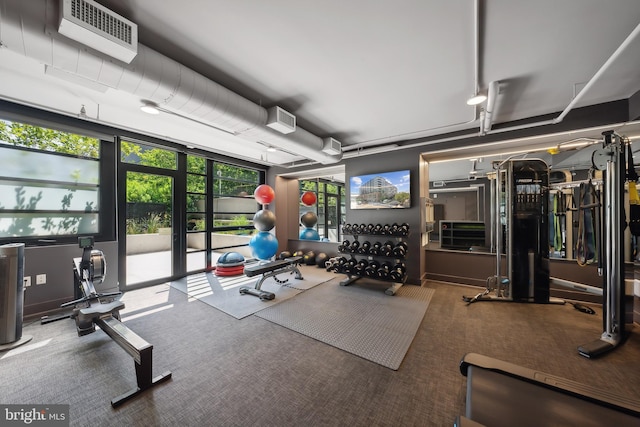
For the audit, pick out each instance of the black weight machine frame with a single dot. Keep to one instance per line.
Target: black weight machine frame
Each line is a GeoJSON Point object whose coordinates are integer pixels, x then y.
{"type": "Point", "coordinates": [611, 158]}
{"type": "Point", "coordinates": [520, 208]}
{"type": "Point", "coordinates": [94, 308]}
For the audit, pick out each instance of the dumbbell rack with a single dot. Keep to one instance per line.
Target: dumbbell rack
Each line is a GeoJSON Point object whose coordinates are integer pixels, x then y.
{"type": "Point", "coordinates": [372, 255]}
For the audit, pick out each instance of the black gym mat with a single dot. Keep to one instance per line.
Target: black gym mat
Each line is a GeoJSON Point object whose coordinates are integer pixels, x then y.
{"type": "Point", "coordinates": [360, 319]}
{"type": "Point", "coordinates": [223, 292]}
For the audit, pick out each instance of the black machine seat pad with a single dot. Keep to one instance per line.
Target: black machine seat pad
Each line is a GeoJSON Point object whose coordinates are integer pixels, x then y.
{"type": "Point", "coordinates": [101, 309]}
{"type": "Point", "coordinates": [257, 269]}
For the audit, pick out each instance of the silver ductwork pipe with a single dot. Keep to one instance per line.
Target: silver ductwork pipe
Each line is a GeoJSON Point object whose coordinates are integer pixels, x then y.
{"type": "Point", "coordinates": [30, 27]}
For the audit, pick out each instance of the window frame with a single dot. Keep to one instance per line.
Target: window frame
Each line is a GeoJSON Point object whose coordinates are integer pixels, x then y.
{"type": "Point", "coordinates": [106, 193]}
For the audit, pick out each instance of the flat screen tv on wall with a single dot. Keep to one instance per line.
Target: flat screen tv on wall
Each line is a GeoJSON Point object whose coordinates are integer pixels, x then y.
{"type": "Point", "coordinates": [384, 190]}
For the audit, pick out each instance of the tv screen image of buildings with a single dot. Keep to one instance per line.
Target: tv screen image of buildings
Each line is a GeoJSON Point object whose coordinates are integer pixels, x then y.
{"type": "Point", "coordinates": [387, 190]}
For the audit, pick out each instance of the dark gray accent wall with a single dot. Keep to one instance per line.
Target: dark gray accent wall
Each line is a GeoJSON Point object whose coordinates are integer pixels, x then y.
{"type": "Point", "coordinates": [386, 162]}
{"type": "Point", "coordinates": [57, 263]}
{"type": "Point", "coordinates": [634, 106]}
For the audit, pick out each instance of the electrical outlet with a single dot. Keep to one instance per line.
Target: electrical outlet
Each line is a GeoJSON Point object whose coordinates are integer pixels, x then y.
{"type": "Point", "coordinates": [27, 281]}
{"type": "Point", "coordinates": [41, 279]}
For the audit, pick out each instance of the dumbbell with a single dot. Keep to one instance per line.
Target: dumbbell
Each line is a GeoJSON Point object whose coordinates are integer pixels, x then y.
{"type": "Point", "coordinates": [346, 228]}
{"type": "Point", "coordinates": [395, 275]}
{"type": "Point", "coordinates": [377, 229]}
{"type": "Point", "coordinates": [404, 229]}
{"type": "Point", "coordinates": [371, 270]}
{"type": "Point", "coordinates": [353, 261]}
{"type": "Point", "coordinates": [354, 246]}
{"type": "Point", "coordinates": [364, 248]}
{"type": "Point", "coordinates": [375, 248]}
{"type": "Point", "coordinates": [387, 248]}
{"type": "Point", "coordinates": [384, 270]}
{"type": "Point", "coordinates": [360, 267]}
{"type": "Point", "coordinates": [398, 272]}
{"type": "Point", "coordinates": [344, 246]}
{"type": "Point", "coordinates": [400, 249]}
{"type": "Point", "coordinates": [339, 265]}
{"type": "Point", "coordinates": [370, 228]}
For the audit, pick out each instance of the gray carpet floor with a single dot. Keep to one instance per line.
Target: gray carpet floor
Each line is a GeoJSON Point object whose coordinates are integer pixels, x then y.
{"type": "Point", "coordinates": [252, 372]}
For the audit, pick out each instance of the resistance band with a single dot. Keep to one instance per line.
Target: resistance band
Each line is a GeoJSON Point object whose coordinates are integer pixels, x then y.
{"type": "Point", "coordinates": [588, 207]}
{"type": "Point", "coordinates": [634, 199]}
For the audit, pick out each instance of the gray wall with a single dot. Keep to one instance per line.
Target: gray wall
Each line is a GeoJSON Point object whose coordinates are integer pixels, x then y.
{"type": "Point", "coordinates": [386, 162]}
{"type": "Point", "coordinates": [57, 263]}
{"type": "Point", "coordinates": [286, 202]}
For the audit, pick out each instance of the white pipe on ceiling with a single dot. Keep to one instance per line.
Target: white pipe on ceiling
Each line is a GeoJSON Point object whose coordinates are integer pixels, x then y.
{"type": "Point", "coordinates": [488, 121]}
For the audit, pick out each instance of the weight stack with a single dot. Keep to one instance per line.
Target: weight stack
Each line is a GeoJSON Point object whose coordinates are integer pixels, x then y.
{"type": "Point", "coordinates": [11, 295]}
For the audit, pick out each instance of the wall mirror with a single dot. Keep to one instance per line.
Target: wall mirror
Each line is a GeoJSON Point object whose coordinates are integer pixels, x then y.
{"type": "Point", "coordinates": [461, 197]}
{"type": "Point", "coordinates": [328, 208]}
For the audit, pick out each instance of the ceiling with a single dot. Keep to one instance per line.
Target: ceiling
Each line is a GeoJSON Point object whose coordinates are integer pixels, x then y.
{"type": "Point", "coordinates": [368, 73]}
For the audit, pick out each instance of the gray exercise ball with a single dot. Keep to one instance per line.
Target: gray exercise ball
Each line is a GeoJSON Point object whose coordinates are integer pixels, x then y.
{"type": "Point", "coordinates": [264, 220]}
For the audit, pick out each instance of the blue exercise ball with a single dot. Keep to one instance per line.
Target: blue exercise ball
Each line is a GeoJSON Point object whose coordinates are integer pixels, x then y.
{"type": "Point", "coordinates": [230, 259]}
{"type": "Point", "coordinates": [309, 234]}
{"type": "Point", "coordinates": [264, 245]}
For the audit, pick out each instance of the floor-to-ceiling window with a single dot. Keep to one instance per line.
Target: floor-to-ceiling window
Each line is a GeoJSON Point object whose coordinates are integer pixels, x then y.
{"type": "Point", "coordinates": [183, 210]}
{"type": "Point", "coordinates": [51, 187]}
{"type": "Point", "coordinates": [233, 208]}
{"type": "Point", "coordinates": [172, 210]}
{"type": "Point", "coordinates": [198, 206]}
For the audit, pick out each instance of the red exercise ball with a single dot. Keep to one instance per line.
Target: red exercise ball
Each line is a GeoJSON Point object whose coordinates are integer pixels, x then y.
{"type": "Point", "coordinates": [264, 194]}
{"type": "Point", "coordinates": [308, 198]}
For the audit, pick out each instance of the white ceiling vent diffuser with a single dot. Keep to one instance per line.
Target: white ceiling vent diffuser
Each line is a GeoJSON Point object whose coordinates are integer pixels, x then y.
{"type": "Point", "coordinates": [95, 26]}
{"type": "Point", "coordinates": [281, 120]}
{"type": "Point", "coordinates": [331, 146]}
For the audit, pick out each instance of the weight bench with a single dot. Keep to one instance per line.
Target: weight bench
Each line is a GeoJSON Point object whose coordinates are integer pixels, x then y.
{"type": "Point", "coordinates": [270, 269]}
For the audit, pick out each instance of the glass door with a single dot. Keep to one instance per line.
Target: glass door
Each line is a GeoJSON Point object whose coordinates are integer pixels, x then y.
{"type": "Point", "coordinates": [148, 235]}
{"type": "Point", "coordinates": [332, 218]}
{"type": "Point", "coordinates": [149, 231]}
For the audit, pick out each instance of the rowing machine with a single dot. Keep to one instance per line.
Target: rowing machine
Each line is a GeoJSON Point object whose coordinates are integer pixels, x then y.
{"type": "Point", "coordinates": [104, 310]}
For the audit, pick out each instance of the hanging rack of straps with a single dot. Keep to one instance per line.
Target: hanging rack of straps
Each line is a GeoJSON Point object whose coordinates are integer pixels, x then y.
{"type": "Point", "coordinates": [559, 221]}
{"type": "Point", "coordinates": [634, 199]}
{"type": "Point", "coordinates": [587, 246]}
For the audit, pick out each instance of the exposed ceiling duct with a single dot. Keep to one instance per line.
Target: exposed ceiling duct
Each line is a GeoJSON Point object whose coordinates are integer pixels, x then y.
{"type": "Point", "coordinates": [30, 29]}
{"type": "Point", "coordinates": [96, 26]}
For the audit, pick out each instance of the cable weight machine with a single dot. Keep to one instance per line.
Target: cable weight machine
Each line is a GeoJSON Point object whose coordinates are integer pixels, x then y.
{"type": "Point", "coordinates": [610, 158]}
{"type": "Point", "coordinates": [521, 228]}
{"type": "Point", "coordinates": [521, 196]}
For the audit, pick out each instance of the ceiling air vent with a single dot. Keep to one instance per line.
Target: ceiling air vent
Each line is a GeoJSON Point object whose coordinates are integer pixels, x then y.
{"type": "Point", "coordinates": [95, 26]}
{"type": "Point", "coordinates": [331, 146]}
{"type": "Point", "coordinates": [281, 120]}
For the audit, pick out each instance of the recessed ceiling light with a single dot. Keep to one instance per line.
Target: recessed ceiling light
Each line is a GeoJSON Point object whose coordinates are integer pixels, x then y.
{"type": "Point", "coordinates": [477, 99]}
{"type": "Point", "coordinates": [150, 108]}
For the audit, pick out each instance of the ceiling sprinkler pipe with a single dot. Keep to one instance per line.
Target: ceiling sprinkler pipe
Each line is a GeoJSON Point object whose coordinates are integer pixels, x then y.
{"type": "Point", "coordinates": [599, 73]}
